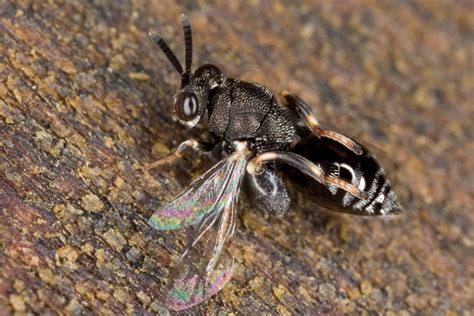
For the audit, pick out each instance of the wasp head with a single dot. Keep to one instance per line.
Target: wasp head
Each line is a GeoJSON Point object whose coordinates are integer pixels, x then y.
{"type": "Point", "coordinates": [191, 99]}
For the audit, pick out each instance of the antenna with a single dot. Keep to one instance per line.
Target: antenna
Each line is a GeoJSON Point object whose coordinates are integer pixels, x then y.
{"type": "Point", "coordinates": [188, 50]}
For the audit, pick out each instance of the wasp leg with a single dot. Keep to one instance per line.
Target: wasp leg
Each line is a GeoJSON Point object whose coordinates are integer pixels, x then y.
{"type": "Point", "coordinates": [303, 110]}
{"type": "Point", "coordinates": [267, 191]}
{"type": "Point", "coordinates": [178, 153]}
{"type": "Point", "coordinates": [255, 166]}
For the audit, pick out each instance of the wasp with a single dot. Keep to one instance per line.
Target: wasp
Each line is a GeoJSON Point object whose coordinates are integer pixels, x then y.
{"type": "Point", "coordinates": [262, 140]}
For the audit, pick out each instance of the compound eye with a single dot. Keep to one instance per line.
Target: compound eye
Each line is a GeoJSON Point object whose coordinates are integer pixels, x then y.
{"type": "Point", "coordinates": [186, 106]}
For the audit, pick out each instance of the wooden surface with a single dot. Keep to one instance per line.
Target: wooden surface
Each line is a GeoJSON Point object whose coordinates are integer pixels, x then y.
{"type": "Point", "coordinates": [86, 99]}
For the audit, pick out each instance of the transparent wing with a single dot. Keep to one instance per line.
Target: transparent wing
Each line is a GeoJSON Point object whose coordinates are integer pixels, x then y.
{"type": "Point", "coordinates": [210, 202]}
{"type": "Point", "coordinates": [205, 267]}
{"type": "Point", "coordinates": [206, 194]}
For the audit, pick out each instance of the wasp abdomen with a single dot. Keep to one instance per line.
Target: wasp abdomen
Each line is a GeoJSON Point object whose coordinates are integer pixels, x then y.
{"type": "Point", "coordinates": [362, 171]}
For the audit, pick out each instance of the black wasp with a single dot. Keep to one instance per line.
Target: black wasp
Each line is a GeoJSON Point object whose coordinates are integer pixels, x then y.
{"type": "Point", "coordinates": [261, 140]}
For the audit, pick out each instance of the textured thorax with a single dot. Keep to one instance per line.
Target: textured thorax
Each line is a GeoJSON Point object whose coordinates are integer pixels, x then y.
{"type": "Point", "coordinates": [240, 110]}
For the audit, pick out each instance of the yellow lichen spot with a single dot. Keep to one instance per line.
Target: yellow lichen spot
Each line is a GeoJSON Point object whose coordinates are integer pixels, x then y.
{"type": "Point", "coordinates": [108, 142]}
{"type": "Point", "coordinates": [366, 287]}
{"type": "Point", "coordinates": [344, 232]}
{"type": "Point", "coordinates": [100, 255]}
{"type": "Point", "coordinates": [55, 150]}
{"type": "Point", "coordinates": [160, 150]}
{"type": "Point", "coordinates": [72, 210]}
{"type": "Point", "coordinates": [90, 173]}
{"type": "Point", "coordinates": [77, 140]}
{"type": "Point", "coordinates": [282, 310]}
{"type": "Point", "coordinates": [17, 303]}
{"type": "Point", "coordinates": [143, 297]}
{"type": "Point", "coordinates": [121, 295]}
{"type": "Point", "coordinates": [46, 275]}
{"type": "Point", "coordinates": [44, 139]}
{"type": "Point", "coordinates": [137, 240]}
{"type": "Point", "coordinates": [59, 209]}
{"type": "Point", "coordinates": [130, 310]}
{"type": "Point", "coordinates": [34, 170]}
{"type": "Point", "coordinates": [347, 306]}
{"type": "Point", "coordinates": [353, 293]}
{"type": "Point", "coordinates": [256, 282]}
{"type": "Point", "coordinates": [139, 76]}
{"type": "Point", "coordinates": [3, 89]}
{"type": "Point", "coordinates": [92, 203]}
{"type": "Point", "coordinates": [119, 182]}
{"type": "Point", "coordinates": [19, 285]}
{"type": "Point", "coordinates": [103, 296]}
{"type": "Point", "coordinates": [81, 288]}
{"type": "Point", "coordinates": [87, 248]}
{"type": "Point", "coordinates": [117, 62]}
{"type": "Point", "coordinates": [279, 291]}
{"type": "Point", "coordinates": [304, 292]}
{"type": "Point", "coordinates": [34, 260]}
{"type": "Point", "coordinates": [67, 252]}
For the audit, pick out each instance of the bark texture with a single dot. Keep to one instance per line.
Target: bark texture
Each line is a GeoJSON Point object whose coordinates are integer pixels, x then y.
{"type": "Point", "coordinates": [86, 100]}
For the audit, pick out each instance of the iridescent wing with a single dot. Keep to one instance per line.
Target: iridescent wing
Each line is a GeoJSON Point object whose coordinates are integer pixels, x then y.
{"type": "Point", "coordinates": [204, 268]}
{"type": "Point", "coordinates": [204, 195]}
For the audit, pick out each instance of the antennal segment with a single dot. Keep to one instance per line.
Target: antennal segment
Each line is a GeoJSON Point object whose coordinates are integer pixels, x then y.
{"type": "Point", "coordinates": [188, 42]}
{"type": "Point", "coordinates": [167, 51]}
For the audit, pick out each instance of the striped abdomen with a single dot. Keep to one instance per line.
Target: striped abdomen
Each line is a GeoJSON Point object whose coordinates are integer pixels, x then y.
{"type": "Point", "coordinates": [362, 171]}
